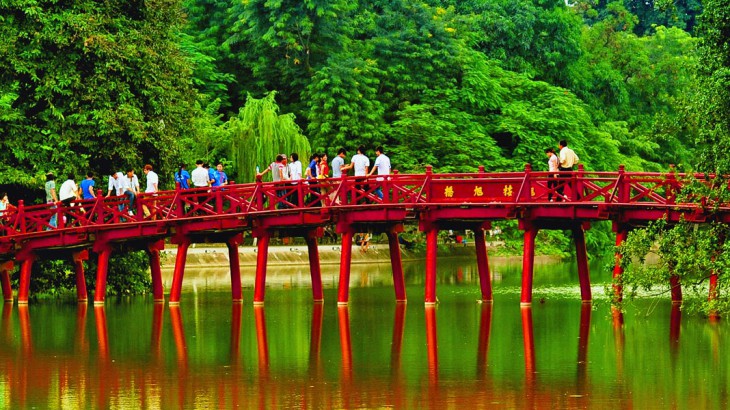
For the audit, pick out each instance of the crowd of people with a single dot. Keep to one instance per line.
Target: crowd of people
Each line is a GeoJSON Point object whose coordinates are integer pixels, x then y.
{"type": "Point", "coordinates": [284, 168]}
{"type": "Point", "coordinates": [126, 184]}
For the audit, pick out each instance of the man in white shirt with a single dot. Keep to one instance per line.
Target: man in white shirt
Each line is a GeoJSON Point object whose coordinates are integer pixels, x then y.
{"type": "Point", "coordinates": [115, 184]}
{"type": "Point", "coordinates": [568, 160]}
{"type": "Point", "coordinates": [360, 164]}
{"type": "Point", "coordinates": [68, 191]}
{"type": "Point", "coordinates": [152, 179]}
{"type": "Point", "coordinates": [382, 164]}
{"type": "Point", "coordinates": [152, 187]}
{"type": "Point", "coordinates": [130, 186]}
{"type": "Point", "coordinates": [199, 176]}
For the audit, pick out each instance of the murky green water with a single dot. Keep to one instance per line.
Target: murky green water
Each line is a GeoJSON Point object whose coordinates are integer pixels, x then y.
{"type": "Point", "coordinates": [292, 353]}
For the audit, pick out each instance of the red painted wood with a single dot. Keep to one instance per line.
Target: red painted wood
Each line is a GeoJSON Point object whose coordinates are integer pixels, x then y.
{"type": "Point", "coordinates": [621, 235]}
{"type": "Point", "coordinates": [24, 285]}
{"type": "Point", "coordinates": [179, 272]}
{"type": "Point", "coordinates": [5, 269]}
{"type": "Point", "coordinates": [431, 264]}
{"type": "Point", "coordinates": [396, 262]}
{"type": "Point", "coordinates": [158, 292]}
{"type": "Point", "coordinates": [343, 291]}
{"type": "Point", "coordinates": [314, 268]}
{"type": "Point", "coordinates": [485, 278]}
{"type": "Point", "coordinates": [676, 289]}
{"type": "Point", "coordinates": [102, 269]}
{"type": "Point", "coordinates": [261, 260]}
{"type": "Point", "coordinates": [81, 293]}
{"type": "Point", "coordinates": [582, 258]}
{"type": "Point", "coordinates": [235, 267]}
{"type": "Point", "coordinates": [528, 264]}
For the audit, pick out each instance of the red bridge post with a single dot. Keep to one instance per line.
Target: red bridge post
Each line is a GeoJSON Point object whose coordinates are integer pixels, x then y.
{"type": "Point", "coordinates": [179, 272]}
{"type": "Point", "coordinates": [78, 259]}
{"type": "Point", "coordinates": [528, 261]}
{"type": "Point", "coordinates": [153, 252]}
{"type": "Point", "coordinates": [432, 233]}
{"type": "Point", "coordinates": [397, 263]}
{"type": "Point", "coordinates": [234, 263]}
{"type": "Point", "coordinates": [262, 255]}
{"type": "Point", "coordinates": [104, 251]}
{"type": "Point", "coordinates": [314, 268]}
{"type": "Point", "coordinates": [25, 269]}
{"type": "Point", "coordinates": [5, 270]}
{"type": "Point", "coordinates": [622, 233]}
{"type": "Point", "coordinates": [343, 291]}
{"type": "Point", "coordinates": [485, 278]}
{"type": "Point", "coordinates": [579, 238]}
{"type": "Point", "coordinates": [676, 287]}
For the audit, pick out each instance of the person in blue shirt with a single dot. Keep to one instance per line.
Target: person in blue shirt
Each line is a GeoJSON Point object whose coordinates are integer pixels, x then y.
{"type": "Point", "coordinates": [87, 186]}
{"type": "Point", "coordinates": [182, 177]}
{"type": "Point", "coordinates": [221, 177]}
{"type": "Point", "coordinates": [212, 174]}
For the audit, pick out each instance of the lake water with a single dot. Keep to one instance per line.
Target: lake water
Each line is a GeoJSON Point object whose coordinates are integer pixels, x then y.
{"type": "Point", "coordinates": [210, 353]}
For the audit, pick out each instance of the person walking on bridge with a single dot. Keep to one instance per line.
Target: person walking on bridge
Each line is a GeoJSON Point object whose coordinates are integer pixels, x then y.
{"type": "Point", "coordinates": [568, 159]}
{"type": "Point", "coordinates": [360, 163]}
{"type": "Point", "coordinates": [382, 164]}
{"type": "Point", "coordinates": [553, 168]}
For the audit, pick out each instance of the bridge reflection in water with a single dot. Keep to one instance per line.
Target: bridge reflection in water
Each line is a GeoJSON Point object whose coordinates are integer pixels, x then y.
{"type": "Point", "coordinates": [196, 355]}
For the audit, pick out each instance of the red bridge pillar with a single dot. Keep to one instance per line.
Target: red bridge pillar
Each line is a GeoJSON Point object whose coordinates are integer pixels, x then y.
{"type": "Point", "coordinates": [235, 266]}
{"type": "Point", "coordinates": [621, 233]}
{"type": "Point", "coordinates": [26, 267]}
{"type": "Point", "coordinates": [104, 250]}
{"type": "Point", "coordinates": [485, 279]}
{"type": "Point", "coordinates": [153, 252]}
{"type": "Point", "coordinates": [179, 272]}
{"type": "Point", "coordinates": [5, 270]}
{"type": "Point", "coordinates": [432, 233]}
{"type": "Point", "coordinates": [582, 258]}
{"type": "Point", "coordinates": [79, 258]}
{"type": "Point", "coordinates": [397, 264]}
{"type": "Point", "coordinates": [343, 292]}
{"type": "Point", "coordinates": [314, 268]}
{"type": "Point", "coordinates": [528, 261]}
{"type": "Point", "coordinates": [676, 290]}
{"type": "Point", "coordinates": [262, 255]}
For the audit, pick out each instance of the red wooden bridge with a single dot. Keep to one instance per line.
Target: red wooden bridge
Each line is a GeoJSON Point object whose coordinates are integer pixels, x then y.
{"type": "Point", "coordinates": [266, 210]}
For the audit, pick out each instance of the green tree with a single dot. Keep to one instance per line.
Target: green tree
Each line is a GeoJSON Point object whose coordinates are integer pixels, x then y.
{"type": "Point", "coordinates": [93, 85]}
{"type": "Point", "coordinates": [259, 133]}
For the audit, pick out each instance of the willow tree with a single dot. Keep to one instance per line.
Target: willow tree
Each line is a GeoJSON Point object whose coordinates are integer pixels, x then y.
{"type": "Point", "coordinates": [259, 133]}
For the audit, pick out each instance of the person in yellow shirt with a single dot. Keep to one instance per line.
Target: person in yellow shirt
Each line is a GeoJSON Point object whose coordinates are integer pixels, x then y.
{"type": "Point", "coordinates": [568, 159]}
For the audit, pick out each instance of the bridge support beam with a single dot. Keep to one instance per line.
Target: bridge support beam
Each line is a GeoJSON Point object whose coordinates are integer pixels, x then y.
{"type": "Point", "coordinates": [82, 295]}
{"type": "Point", "coordinates": [581, 255]}
{"type": "Point", "coordinates": [485, 278]}
{"type": "Point", "coordinates": [314, 268]}
{"type": "Point", "coordinates": [528, 262]}
{"type": "Point", "coordinates": [397, 264]}
{"type": "Point", "coordinates": [343, 291]}
{"type": "Point", "coordinates": [179, 272]}
{"type": "Point", "coordinates": [676, 290]}
{"type": "Point", "coordinates": [102, 269]}
{"type": "Point", "coordinates": [622, 233]}
{"type": "Point", "coordinates": [26, 267]}
{"type": "Point", "coordinates": [153, 252]}
{"type": "Point", "coordinates": [235, 265]}
{"type": "Point", "coordinates": [5, 270]}
{"type": "Point", "coordinates": [262, 255]}
{"type": "Point", "coordinates": [432, 233]}
{"type": "Point", "coordinates": [713, 295]}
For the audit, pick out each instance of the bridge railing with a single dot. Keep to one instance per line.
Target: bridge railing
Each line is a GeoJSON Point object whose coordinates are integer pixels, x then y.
{"type": "Point", "coordinates": [409, 190]}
